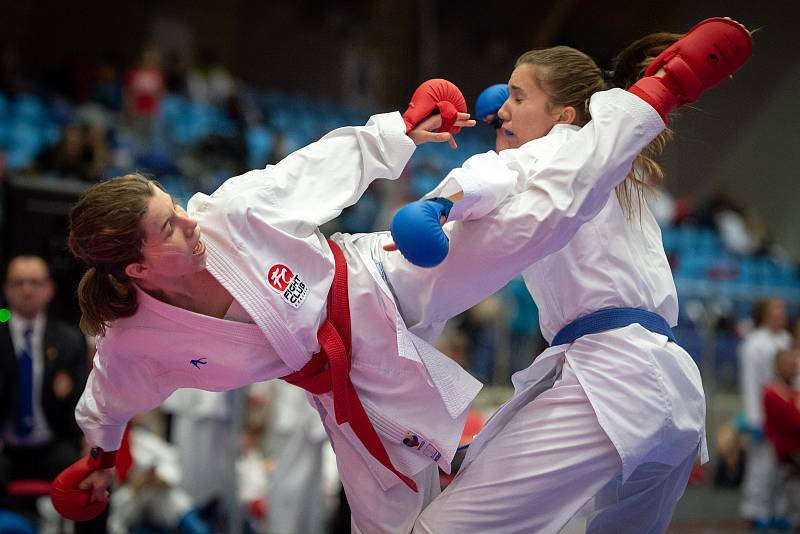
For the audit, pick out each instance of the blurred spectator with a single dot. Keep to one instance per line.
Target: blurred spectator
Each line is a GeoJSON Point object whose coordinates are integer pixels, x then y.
{"type": "Point", "coordinates": [175, 74]}
{"type": "Point", "coordinates": [455, 344]}
{"type": "Point", "coordinates": [42, 374]}
{"type": "Point", "coordinates": [252, 479]}
{"type": "Point", "coordinates": [304, 481]}
{"type": "Point", "coordinates": [740, 228]}
{"type": "Point", "coordinates": [150, 495]}
{"type": "Point", "coordinates": [756, 363]}
{"type": "Point", "coordinates": [81, 153]}
{"type": "Point", "coordinates": [729, 469]}
{"type": "Point", "coordinates": [782, 425]}
{"type": "Point", "coordinates": [525, 338]}
{"type": "Point", "coordinates": [204, 432]}
{"type": "Point", "coordinates": [662, 204]}
{"type": "Point", "coordinates": [796, 332]}
{"type": "Point", "coordinates": [480, 323]}
{"type": "Point", "coordinates": [782, 409]}
{"type": "Point", "coordinates": [107, 89]}
{"type": "Point", "coordinates": [68, 157]}
{"type": "Point", "coordinates": [144, 88]}
{"type": "Point", "coordinates": [279, 149]}
{"type": "Point", "coordinates": [210, 81]}
{"type": "Point", "coordinates": [44, 364]}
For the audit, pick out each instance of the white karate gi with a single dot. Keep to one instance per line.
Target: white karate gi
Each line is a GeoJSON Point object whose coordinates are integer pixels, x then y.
{"type": "Point", "coordinates": [619, 415]}
{"type": "Point", "coordinates": [259, 223]}
{"type": "Point", "coordinates": [762, 497]}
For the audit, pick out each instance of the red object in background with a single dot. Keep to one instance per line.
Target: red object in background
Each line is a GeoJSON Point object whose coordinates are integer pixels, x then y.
{"type": "Point", "coordinates": [124, 457]}
{"type": "Point", "coordinates": [472, 426]}
{"type": "Point", "coordinates": [258, 508]}
{"type": "Point", "coordinates": [697, 475]}
{"type": "Point", "coordinates": [782, 420]}
{"type": "Point", "coordinates": [684, 208]}
{"type": "Point", "coordinates": [28, 488]}
{"type": "Point", "coordinates": [145, 85]}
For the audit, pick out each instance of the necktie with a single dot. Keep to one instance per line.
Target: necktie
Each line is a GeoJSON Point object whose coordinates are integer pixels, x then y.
{"type": "Point", "coordinates": [24, 419]}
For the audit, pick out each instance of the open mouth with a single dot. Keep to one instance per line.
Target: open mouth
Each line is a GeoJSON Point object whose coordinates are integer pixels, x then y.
{"type": "Point", "coordinates": [199, 248]}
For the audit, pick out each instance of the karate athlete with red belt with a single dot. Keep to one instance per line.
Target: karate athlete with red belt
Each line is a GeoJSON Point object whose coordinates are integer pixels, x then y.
{"type": "Point", "coordinates": [261, 294]}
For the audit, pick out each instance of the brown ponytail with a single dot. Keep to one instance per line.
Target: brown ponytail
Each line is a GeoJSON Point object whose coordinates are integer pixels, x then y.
{"type": "Point", "coordinates": [106, 234]}
{"type": "Point", "coordinates": [102, 299]}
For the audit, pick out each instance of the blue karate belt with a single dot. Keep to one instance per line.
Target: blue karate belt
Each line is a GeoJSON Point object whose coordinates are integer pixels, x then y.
{"type": "Point", "coordinates": [609, 319]}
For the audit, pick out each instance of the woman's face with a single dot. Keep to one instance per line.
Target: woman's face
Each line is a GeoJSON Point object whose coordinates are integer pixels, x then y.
{"type": "Point", "coordinates": [525, 114]}
{"type": "Point", "coordinates": [172, 246]}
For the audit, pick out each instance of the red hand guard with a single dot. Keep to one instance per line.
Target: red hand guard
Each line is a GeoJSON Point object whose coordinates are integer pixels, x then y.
{"type": "Point", "coordinates": [710, 52]}
{"type": "Point", "coordinates": [71, 502]}
{"type": "Point", "coordinates": [436, 94]}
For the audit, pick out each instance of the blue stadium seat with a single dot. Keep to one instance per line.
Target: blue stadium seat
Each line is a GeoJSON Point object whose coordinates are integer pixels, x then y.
{"type": "Point", "coordinates": [28, 108]}
{"type": "Point", "coordinates": [259, 143]}
{"type": "Point", "coordinates": [669, 236]}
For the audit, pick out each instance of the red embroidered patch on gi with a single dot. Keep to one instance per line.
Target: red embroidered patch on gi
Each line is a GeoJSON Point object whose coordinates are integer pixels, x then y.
{"type": "Point", "coordinates": [288, 284]}
{"type": "Point", "coordinates": [279, 277]}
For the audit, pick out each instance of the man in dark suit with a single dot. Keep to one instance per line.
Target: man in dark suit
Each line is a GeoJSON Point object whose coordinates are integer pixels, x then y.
{"type": "Point", "coordinates": [43, 370]}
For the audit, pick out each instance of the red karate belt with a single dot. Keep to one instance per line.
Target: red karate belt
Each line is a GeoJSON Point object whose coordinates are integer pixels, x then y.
{"type": "Point", "coordinates": [329, 369]}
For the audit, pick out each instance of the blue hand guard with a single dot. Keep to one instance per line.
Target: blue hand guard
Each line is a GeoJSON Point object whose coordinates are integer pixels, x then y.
{"type": "Point", "coordinates": [417, 233]}
{"type": "Point", "coordinates": [491, 100]}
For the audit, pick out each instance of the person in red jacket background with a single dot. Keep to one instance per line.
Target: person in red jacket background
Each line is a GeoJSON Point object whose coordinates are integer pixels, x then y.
{"type": "Point", "coordinates": [782, 428]}
{"type": "Point", "coordinates": [782, 409]}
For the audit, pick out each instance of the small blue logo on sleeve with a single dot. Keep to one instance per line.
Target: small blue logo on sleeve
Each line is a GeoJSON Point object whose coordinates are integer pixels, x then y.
{"type": "Point", "coordinates": [198, 362]}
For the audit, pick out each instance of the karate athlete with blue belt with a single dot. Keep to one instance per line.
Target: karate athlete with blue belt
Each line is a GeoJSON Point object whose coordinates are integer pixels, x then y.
{"type": "Point", "coordinates": [245, 288]}
{"type": "Point", "coordinates": [261, 294]}
{"type": "Point", "coordinates": [613, 414]}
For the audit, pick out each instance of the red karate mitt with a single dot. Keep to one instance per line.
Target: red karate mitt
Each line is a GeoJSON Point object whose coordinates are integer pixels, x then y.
{"type": "Point", "coordinates": [433, 95]}
{"type": "Point", "coordinates": [73, 503]}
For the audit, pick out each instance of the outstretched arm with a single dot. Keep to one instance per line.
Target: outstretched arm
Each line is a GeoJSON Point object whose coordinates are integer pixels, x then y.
{"type": "Point", "coordinates": [548, 204]}
{"type": "Point", "coordinates": [314, 184]}
{"type": "Point", "coordinates": [114, 393]}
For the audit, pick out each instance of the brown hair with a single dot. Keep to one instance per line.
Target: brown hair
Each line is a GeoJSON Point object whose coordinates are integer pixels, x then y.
{"type": "Point", "coordinates": [761, 309]}
{"type": "Point", "coordinates": [106, 234]}
{"type": "Point", "coordinates": [570, 78]}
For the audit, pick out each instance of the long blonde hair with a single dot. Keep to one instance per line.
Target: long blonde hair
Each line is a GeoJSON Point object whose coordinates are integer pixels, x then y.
{"type": "Point", "coordinates": [569, 78]}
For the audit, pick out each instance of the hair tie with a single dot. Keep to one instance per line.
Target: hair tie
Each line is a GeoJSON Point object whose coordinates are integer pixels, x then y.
{"type": "Point", "coordinates": [116, 272]}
